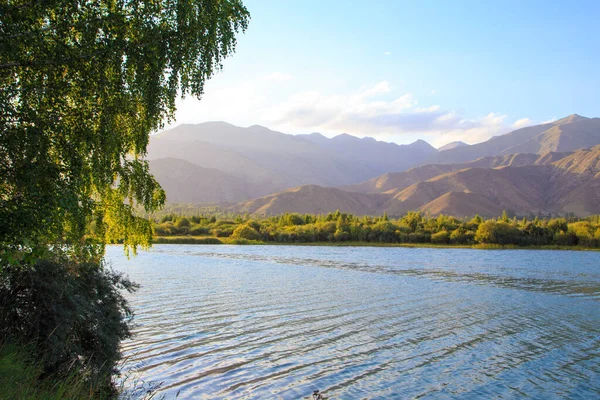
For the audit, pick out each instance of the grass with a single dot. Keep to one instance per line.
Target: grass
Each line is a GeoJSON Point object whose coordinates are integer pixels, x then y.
{"type": "Point", "coordinates": [21, 378]}
{"type": "Point", "coordinates": [186, 240]}
{"type": "Point", "coordinates": [229, 240]}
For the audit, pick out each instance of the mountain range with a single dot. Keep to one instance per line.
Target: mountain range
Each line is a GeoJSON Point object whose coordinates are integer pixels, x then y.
{"type": "Point", "coordinates": [256, 161]}
{"type": "Point", "coordinates": [548, 168]}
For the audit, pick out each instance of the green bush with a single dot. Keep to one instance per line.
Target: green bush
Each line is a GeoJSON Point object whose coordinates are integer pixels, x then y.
{"type": "Point", "coordinates": [565, 239]}
{"type": "Point", "coordinates": [502, 233]}
{"type": "Point", "coordinates": [245, 232]}
{"type": "Point", "coordinates": [182, 222]}
{"type": "Point", "coordinates": [462, 237]}
{"type": "Point", "coordinates": [21, 378]}
{"type": "Point", "coordinates": [341, 236]}
{"type": "Point", "coordinates": [222, 232]}
{"type": "Point", "coordinates": [199, 230]}
{"type": "Point", "coordinates": [441, 237]}
{"type": "Point", "coordinates": [73, 315]}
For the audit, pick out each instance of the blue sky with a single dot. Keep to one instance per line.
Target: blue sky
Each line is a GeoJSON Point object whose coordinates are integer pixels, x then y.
{"type": "Point", "coordinates": [404, 70]}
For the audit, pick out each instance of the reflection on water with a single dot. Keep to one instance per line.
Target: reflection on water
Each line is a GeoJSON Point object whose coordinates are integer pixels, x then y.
{"type": "Point", "coordinates": [279, 322]}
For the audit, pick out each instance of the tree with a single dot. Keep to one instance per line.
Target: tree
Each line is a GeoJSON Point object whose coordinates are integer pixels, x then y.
{"type": "Point", "coordinates": [497, 233]}
{"type": "Point", "coordinates": [245, 232]}
{"type": "Point", "coordinates": [82, 84]}
{"type": "Point", "coordinates": [412, 219]}
{"type": "Point", "coordinates": [440, 237]}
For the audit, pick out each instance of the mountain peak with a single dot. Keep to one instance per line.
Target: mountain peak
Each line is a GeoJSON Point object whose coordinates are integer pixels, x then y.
{"type": "Point", "coordinates": [420, 143]}
{"type": "Point", "coordinates": [452, 145]}
{"type": "Point", "coordinates": [570, 119]}
{"type": "Point", "coordinates": [259, 127]}
{"type": "Point", "coordinates": [344, 136]}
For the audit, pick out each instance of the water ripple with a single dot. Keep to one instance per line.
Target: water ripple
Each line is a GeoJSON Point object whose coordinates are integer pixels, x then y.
{"type": "Point", "coordinates": [279, 322]}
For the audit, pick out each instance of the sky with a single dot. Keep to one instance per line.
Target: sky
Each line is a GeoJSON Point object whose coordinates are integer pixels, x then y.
{"type": "Point", "coordinates": [406, 70]}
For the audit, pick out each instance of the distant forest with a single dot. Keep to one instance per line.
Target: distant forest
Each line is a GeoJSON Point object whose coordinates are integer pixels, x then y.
{"type": "Point", "coordinates": [411, 228]}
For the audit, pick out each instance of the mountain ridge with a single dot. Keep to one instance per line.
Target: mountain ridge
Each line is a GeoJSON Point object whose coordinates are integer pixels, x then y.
{"type": "Point", "coordinates": [241, 164]}
{"type": "Point", "coordinates": [569, 184]}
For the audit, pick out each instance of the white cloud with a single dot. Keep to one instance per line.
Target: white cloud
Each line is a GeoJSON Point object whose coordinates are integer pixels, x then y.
{"type": "Point", "coordinates": [221, 103]}
{"type": "Point", "coordinates": [387, 53]}
{"type": "Point", "coordinates": [367, 113]}
{"type": "Point", "coordinates": [433, 92]}
{"type": "Point", "coordinates": [521, 123]}
{"type": "Point", "coordinates": [549, 121]}
{"type": "Point", "coordinates": [376, 110]}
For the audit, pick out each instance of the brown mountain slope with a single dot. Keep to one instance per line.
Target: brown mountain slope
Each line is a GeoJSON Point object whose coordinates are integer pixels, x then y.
{"type": "Point", "coordinates": [461, 204]}
{"type": "Point", "coordinates": [567, 134]}
{"type": "Point", "coordinates": [571, 184]}
{"type": "Point", "coordinates": [397, 181]}
{"type": "Point", "coordinates": [315, 200]}
{"type": "Point", "coordinates": [520, 189]}
{"type": "Point", "coordinates": [583, 199]}
{"type": "Point", "coordinates": [585, 161]}
{"type": "Point", "coordinates": [575, 133]}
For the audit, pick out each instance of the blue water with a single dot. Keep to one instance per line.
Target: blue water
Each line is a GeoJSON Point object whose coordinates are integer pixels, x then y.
{"type": "Point", "coordinates": [277, 322]}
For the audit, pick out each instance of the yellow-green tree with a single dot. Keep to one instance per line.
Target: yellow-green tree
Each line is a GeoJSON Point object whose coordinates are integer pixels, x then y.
{"type": "Point", "coordinates": [82, 84]}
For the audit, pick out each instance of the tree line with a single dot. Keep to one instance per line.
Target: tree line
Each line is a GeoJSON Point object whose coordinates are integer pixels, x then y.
{"type": "Point", "coordinates": [413, 227]}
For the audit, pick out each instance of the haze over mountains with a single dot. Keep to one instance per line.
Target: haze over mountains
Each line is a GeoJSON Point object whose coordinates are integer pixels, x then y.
{"type": "Point", "coordinates": [270, 161]}
{"type": "Point", "coordinates": [535, 169]}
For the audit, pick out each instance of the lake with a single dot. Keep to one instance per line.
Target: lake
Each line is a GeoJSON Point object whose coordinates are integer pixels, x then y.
{"type": "Point", "coordinates": [277, 322]}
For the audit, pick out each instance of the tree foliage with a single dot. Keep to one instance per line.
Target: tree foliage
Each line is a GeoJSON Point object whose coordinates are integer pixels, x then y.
{"type": "Point", "coordinates": [412, 227]}
{"type": "Point", "coordinates": [82, 84]}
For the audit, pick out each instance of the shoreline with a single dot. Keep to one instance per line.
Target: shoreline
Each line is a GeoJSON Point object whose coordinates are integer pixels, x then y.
{"type": "Point", "coordinates": [210, 240]}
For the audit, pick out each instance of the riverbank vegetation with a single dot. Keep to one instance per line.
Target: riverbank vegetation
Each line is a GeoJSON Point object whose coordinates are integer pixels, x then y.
{"type": "Point", "coordinates": [412, 228]}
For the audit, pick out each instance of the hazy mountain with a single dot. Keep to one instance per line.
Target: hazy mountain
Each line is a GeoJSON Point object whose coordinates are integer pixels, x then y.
{"type": "Point", "coordinates": [380, 156]}
{"type": "Point", "coordinates": [186, 182]}
{"type": "Point", "coordinates": [452, 145]}
{"type": "Point", "coordinates": [237, 164]}
{"type": "Point", "coordinates": [569, 184]}
{"type": "Point", "coordinates": [270, 161]}
{"type": "Point", "coordinates": [209, 155]}
{"type": "Point", "coordinates": [568, 134]}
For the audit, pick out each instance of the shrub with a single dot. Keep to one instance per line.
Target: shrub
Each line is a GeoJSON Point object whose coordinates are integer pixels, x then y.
{"type": "Point", "coordinates": [341, 236]}
{"type": "Point", "coordinates": [254, 225]}
{"type": "Point", "coordinates": [182, 222]}
{"type": "Point", "coordinates": [245, 232]}
{"type": "Point", "coordinates": [462, 237]}
{"type": "Point", "coordinates": [73, 315]}
{"type": "Point", "coordinates": [585, 233]}
{"type": "Point", "coordinates": [498, 233]}
{"type": "Point", "coordinates": [440, 237]}
{"type": "Point", "coordinates": [198, 230]}
{"type": "Point", "coordinates": [565, 239]}
{"type": "Point", "coordinates": [222, 232]}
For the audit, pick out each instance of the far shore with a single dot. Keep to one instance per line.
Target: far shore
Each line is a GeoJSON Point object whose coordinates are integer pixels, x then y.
{"type": "Point", "coordinates": [204, 240]}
